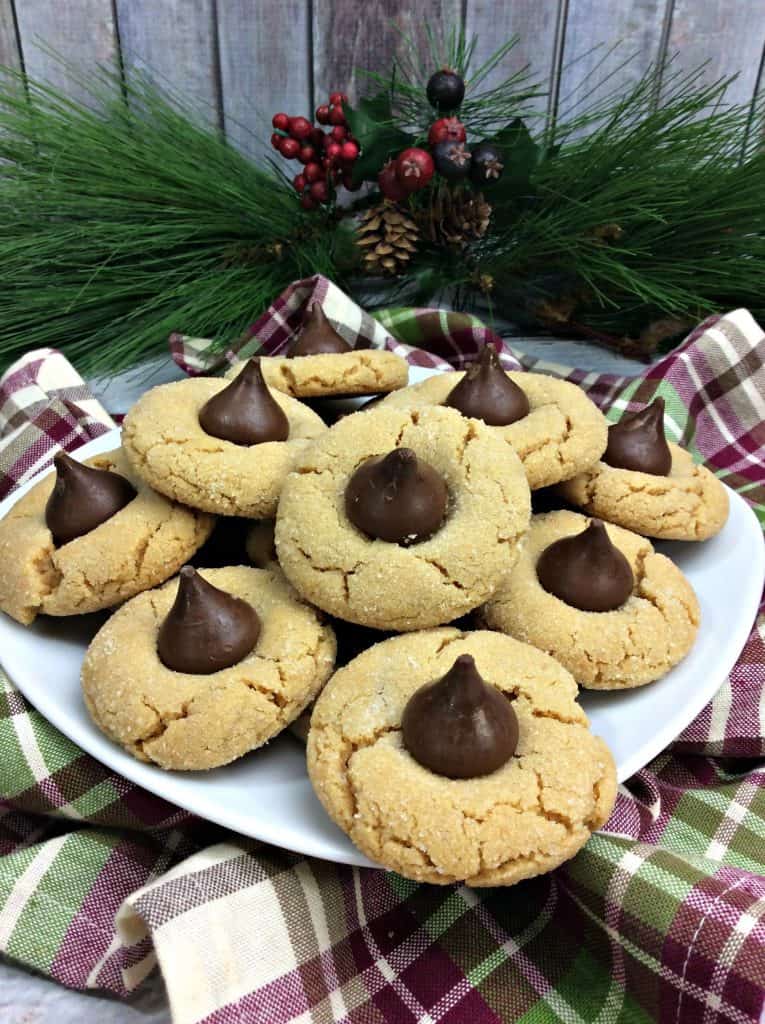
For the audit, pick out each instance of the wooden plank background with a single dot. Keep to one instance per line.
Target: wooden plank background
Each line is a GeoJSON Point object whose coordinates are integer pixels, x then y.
{"type": "Point", "coordinates": [240, 61]}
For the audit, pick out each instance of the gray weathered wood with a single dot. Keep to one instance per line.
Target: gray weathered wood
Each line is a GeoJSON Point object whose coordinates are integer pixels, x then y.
{"type": "Point", "coordinates": [175, 42]}
{"type": "Point", "coordinates": [9, 44]}
{"type": "Point", "coordinates": [265, 67]}
{"type": "Point", "coordinates": [730, 34]}
{"type": "Point", "coordinates": [348, 35]}
{"type": "Point", "coordinates": [533, 22]}
{"type": "Point", "coordinates": [81, 31]}
{"type": "Point", "coordinates": [636, 26]}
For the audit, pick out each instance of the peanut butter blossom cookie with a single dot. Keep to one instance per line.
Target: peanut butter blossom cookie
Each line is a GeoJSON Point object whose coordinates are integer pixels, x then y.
{"type": "Point", "coordinates": [223, 448]}
{"type": "Point", "coordinates": [209, 667]}
{"type": "Point", "coordinates": [451, 756]}
{"type": "Point", "coordinates": [599, 599]}
{"type": "Point", "coordinates": [553, 426]}
{"type": "Point", "coordinates": [402, 519]}
{"type": "Point", "coordinates": [649, 485]}
{"type": "Point", "coordinates": [89, 536]}
{"type": "Point", "coordinates": [319, 362]}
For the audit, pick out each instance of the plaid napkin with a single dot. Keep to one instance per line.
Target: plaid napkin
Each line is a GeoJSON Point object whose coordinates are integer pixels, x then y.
{"type": "Point", "coordinates": [659, 918]}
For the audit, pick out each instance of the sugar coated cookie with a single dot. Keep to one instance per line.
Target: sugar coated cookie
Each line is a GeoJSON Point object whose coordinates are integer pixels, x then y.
{"type": "Point", "coordinates": [573, 601]}
{"type": "Point", "coordinates": [363, 372]}
{"type": "Point", "coordinates": [450, 756]}
{"type": "Point", "coordinates": [224, 448]}
{"type": "Point", "coordinates": [552, 425]}
{"type": "Point", "coordinates": [89, 536]}
{"type": "Point", "coordinates": [207, 668]}
{"type": "Point", "coordinates": [402, 519]}
{"type": "Point", "coordinates": [320, 363]}
{"type": "Point", "coordinates": [649, 485]}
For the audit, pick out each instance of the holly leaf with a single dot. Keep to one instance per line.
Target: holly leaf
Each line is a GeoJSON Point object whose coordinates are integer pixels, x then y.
{"type": "Point", "coordinates": [520, 156]}
{"type": "Point", "coordinates": [371, 108]}
{"type": "Point", "coordinates": [371, 124]}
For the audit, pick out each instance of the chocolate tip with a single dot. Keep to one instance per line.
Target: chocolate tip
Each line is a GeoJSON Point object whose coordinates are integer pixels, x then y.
{"type": "Point", "coordinates": [401, 455]}
{"type": "Point", "coordinates": [188, 572]}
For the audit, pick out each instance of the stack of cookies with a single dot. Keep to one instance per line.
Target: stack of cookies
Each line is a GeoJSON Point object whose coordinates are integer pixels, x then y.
{"type": "Point", "coordinates": [399, 604]}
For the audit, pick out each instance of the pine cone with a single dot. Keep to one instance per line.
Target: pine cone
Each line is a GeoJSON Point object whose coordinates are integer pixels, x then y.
{"type": "Point", "coordinates": [388, 239]}
{"type": "Point", "coordinates": [455, 218]}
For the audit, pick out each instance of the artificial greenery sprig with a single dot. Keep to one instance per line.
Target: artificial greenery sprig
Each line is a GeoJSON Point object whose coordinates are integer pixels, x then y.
{"type": "Point", "coordinates": [122, 218]}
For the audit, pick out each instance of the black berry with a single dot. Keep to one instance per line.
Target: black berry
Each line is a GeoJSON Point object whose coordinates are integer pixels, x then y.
{"type": "Point", "coordinates": [486, 165]}
{"type": "Point", "coordinates": [445, 90]}
{"type": "Point", "coordinates": [452, 160]}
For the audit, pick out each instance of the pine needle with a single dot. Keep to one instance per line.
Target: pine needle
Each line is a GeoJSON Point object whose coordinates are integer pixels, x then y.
{"type": "Point", "coordinates": [124, 219]}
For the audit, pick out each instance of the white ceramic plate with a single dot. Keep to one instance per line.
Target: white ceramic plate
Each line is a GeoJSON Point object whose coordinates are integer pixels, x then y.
{"type": "Point", "coordinates": [267, 795]}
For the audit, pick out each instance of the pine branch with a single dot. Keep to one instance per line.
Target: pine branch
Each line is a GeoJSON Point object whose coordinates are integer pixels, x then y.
{"type": "Point", "coordinates": [689, 213]}
{"type": "Point", "coordinates": [482, 111]}
{"type": "Point", "coordinates": [117, 221]}
{"type": "Point", "coordinates": [123, 218]}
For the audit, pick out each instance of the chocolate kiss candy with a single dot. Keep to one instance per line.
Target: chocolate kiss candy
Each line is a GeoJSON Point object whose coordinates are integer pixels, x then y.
{"type": "Point", "coordinates": [458, 726]}
{"type": "Point", "coordinates": [637, 441]}
{"type": "Point", "coordinates": [586, 570]}
{"type": "Point", "coordinates": [207, 629]}
{"type": "Point", "coordinates": [487, 393]}
{"type": "Point", "coordinates": [396, 497]}
{"type": "Point", "coordinates": [82, 498]}
{"type": "Point", "coordinates": [317, 337]}
{"type": "Point", "coordinates": [245, 412]}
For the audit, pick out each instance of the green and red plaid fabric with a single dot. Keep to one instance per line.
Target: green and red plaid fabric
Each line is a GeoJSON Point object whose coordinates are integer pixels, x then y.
{"type": "Point", "coordinates": [660, 918]}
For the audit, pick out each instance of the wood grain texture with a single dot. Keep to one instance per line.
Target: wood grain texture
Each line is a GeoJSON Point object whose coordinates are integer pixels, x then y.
{"type": "Point", "coordinates": [348, 36]}
{"type": "Point", "coordinates": [265, 67]}
{"type": "Point", "coordinates": [730, 34]}
{"type": "Point", "coordinates": [174, 41]}
{"type": "Point", "coordinates": [9, 46]}
{"type": "Point", "coordinates": [635, 25]}
{"type": "Point", "coordinates": [534, 21]}
{"type": "Point", "coordinates": [81, 31]}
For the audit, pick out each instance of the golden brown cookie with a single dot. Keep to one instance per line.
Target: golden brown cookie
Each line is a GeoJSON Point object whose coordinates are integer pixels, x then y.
{"type": "Point", "coordinates": [385, 585]}
{"type": "Point", "coordinates": [169, 449]}
{"type": "Point", "coordinates": [189, 722]}
{"type": "Point", "coordinates": [630, 646]}
{"type": "Point", "coordinates": [688, 504]}
{"type": "Point", "coordinates": [526, 817]}
{"type": "Point", "coordinates": [563, 433]}
{"type": "Point", "coordinates": [138, 547]}
{"type": "Point", "coordinates": [359, 372]}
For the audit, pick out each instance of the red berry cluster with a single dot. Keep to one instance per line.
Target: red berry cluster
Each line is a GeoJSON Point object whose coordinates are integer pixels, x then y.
{"type": "Point", "coordinates": [328, 157]}
{"type": "Point", "coordinates": [412, 169]}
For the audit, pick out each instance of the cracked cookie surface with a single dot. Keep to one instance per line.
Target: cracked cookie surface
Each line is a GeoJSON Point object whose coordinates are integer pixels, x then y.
{"type": "Point", "coordinates": [362, 372]}
{"type": "Point", "coordinates": [140, 546]}
{"type": "Point", "coordinates": [192, 722]}
{"type": "Point", "coordinates": [383, 585]}
{"type": "Point", "coordinates": [169, 449]}
{"type": "Point", "coordinates": [525, 818]}
{"type": "Point", "coordinates": [688, 504]}
{"type": "Point", "coordinates": [563, 433]}
{"type": "Point", "coordinates": [630, 646]}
